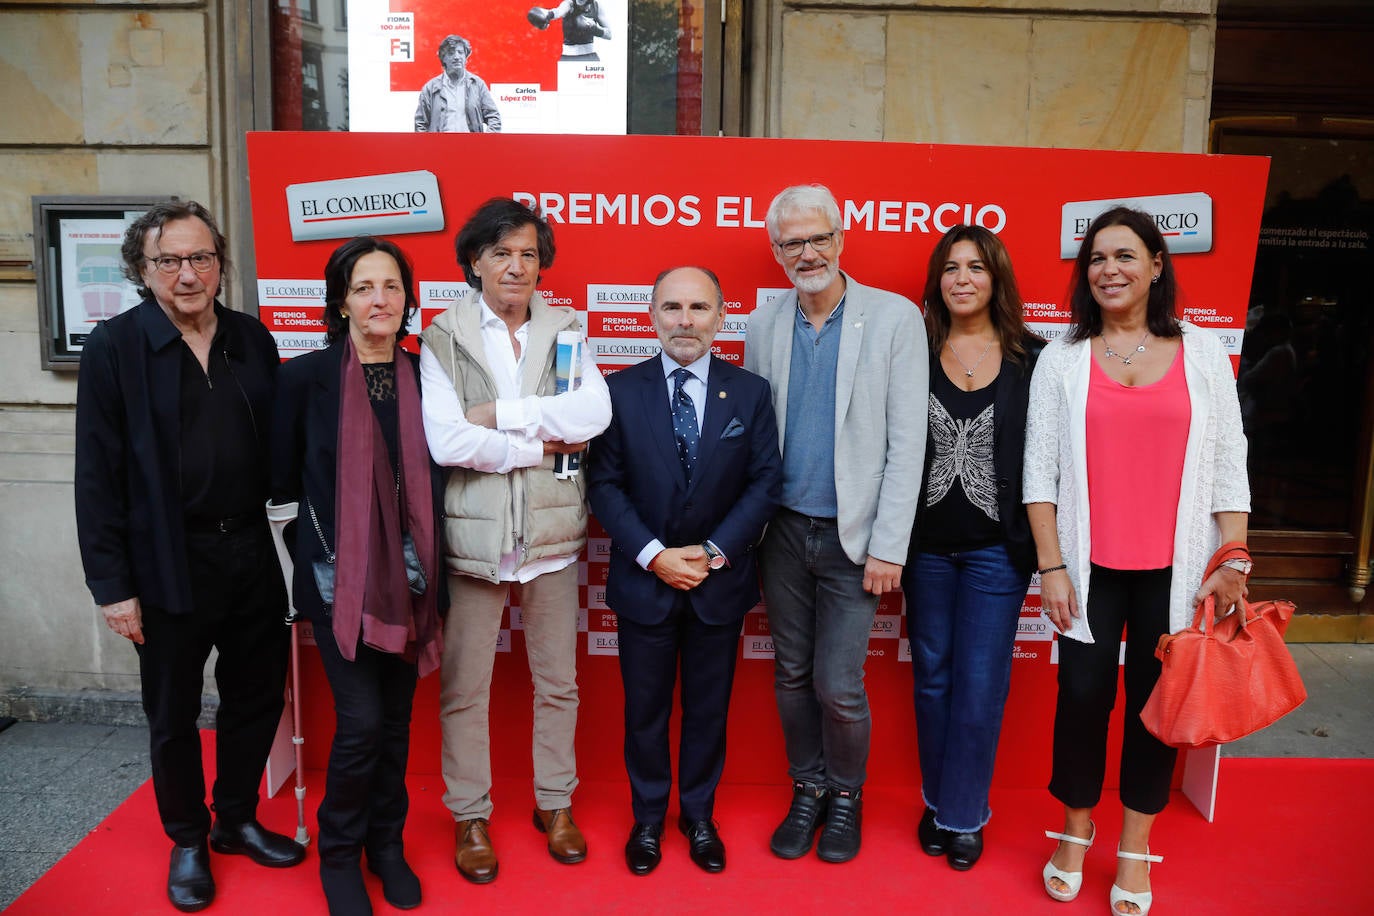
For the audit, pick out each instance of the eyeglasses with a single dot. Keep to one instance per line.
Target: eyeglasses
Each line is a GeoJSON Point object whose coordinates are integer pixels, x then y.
{"type": "Point", "coordinates": [201, 262]}
{"type": "Point", "coordinates": [818, 243]}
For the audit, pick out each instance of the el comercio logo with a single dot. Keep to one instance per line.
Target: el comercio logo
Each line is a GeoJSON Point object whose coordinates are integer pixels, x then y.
{"type": "Point", "coordinates": [1185, 220]}
{"type": "Point", "coordinates": [393, 204]}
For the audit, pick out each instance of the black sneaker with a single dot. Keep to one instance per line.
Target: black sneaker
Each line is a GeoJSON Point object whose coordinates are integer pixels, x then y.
{"type": "Point", "coordinates": [792, 839]}
{"type": "Point", "coordinates": [840, 841]}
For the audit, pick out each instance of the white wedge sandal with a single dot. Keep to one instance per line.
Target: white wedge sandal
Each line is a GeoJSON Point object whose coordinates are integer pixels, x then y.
{"type": "Point", "coordinates": [1073, 879]}
{"type": "Point", "coordinates": [1143, 899]}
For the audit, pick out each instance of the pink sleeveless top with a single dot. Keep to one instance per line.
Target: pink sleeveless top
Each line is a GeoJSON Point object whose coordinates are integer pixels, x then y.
{"type": "Point", "coordinates": [1136, 438]}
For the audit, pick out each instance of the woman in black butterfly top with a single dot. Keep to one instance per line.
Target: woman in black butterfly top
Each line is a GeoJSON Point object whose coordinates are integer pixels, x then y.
{"type": "Point", "coordinates": [971, 552]}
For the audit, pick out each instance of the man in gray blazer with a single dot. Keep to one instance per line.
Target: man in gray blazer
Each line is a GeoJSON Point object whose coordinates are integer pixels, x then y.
{"type": "Point", "coordinates": [848, 365]}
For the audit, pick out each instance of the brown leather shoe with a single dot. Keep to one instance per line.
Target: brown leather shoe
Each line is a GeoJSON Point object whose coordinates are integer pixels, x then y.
{"type": "Point", "coordinates": [475, 858]}
{"type": "Point", "coordinates": [565, 840]}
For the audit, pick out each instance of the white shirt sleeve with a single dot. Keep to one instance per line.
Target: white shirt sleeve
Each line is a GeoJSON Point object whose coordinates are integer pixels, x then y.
{"type": "Point", "coordinates": [454, 442]}
{"type": "Point", "coordinates": [651, 550]}
{"type": "Point", "coordinates": [573, 416]}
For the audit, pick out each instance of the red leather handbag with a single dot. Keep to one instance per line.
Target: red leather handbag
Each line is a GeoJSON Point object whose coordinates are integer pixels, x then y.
{"type": "Point", "coordinates": [1224, 679]}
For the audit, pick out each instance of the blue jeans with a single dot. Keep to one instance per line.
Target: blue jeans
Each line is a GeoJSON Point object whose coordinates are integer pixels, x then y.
{"type": "Point", "coordinates": [820, 619]}
{"type": "Point", "coordinates": [962, 611]}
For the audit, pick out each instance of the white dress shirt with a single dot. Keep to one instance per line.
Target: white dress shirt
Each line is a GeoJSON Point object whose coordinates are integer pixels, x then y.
{"type": "Point", "coordinates": [523, 424]}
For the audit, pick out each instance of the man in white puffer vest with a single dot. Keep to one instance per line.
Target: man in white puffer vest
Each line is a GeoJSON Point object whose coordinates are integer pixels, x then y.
{"type": "Point", "coordinates": [494, 419]}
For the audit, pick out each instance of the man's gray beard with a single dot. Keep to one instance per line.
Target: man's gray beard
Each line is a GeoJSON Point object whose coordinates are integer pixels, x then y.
{"type": "Point", "coordinates": [816, 284]}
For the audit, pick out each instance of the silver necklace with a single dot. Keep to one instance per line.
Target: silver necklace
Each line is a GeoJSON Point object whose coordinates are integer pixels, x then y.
{"type": "Point", "coordinates": [968, 370]}
{"type": "Point", "coordinates": [1125, 358]}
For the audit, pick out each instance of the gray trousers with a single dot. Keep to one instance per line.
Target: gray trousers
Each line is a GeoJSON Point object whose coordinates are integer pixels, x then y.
{"type": "Point", "coordinates": [820, 618]}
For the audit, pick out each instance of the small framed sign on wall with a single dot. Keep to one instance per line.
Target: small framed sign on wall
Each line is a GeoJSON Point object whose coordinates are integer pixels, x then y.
{"type": "Point", "coordinates": [79, 270]}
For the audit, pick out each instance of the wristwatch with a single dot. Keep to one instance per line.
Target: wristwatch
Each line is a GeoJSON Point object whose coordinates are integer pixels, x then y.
{"type": "Point", "coordinates": [1240, 565]}
{"type": "Point", "coordinates": [714, 558]}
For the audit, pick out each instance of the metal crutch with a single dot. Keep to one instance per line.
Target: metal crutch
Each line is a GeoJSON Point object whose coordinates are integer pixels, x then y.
{"type": "Point", "coordinates": [279, 516]}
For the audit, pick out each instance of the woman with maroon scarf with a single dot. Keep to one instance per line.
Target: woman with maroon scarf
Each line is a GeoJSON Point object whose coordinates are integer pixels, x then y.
{"type": "Point", "coordinates": [349, 445]}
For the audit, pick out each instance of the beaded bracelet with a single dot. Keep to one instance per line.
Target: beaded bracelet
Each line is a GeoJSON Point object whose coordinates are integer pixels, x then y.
{"type": "Point", "coordinates": [1051, 569]}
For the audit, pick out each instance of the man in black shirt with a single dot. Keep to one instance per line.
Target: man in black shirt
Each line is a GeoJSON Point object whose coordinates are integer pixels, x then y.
{"type": "Point", "coordinates": [172, 415]}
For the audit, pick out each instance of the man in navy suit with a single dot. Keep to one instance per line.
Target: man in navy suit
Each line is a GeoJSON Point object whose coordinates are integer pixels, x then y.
{"type": "Point", "coordinates": [685, 479]}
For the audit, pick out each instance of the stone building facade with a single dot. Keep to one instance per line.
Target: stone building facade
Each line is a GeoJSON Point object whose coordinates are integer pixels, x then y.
{"type": "Point", "coordinates": [139, 97]}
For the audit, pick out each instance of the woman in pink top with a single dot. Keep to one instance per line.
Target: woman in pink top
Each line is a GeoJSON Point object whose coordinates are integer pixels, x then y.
{"type": "Point", "coordinates": [1134, 474]}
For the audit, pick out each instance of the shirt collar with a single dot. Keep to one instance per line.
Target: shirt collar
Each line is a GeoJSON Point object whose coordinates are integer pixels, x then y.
{"type": "Point", "coordinates": [834, 313]}
{"type": "Point", "coordinates": [699, 368]}
{"type": "Point", "coordinates": [489, 319]}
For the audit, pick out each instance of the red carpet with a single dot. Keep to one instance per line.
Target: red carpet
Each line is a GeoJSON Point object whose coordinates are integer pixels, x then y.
{"type": "Point", "coordinates": [1290, 837]}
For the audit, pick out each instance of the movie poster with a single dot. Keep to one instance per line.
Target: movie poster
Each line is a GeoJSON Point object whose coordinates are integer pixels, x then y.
{"type": "Point", "coordinates": [92, 280]}
{"type": "Point", "coordinates": [496, 66]}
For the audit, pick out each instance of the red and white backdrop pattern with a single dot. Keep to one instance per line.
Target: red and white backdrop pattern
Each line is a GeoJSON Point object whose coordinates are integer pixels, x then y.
{"type": "Point", "coordinates": [625, 208]}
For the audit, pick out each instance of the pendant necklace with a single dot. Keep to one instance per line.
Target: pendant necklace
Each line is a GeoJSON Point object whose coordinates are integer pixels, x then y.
{"type": "Point", "coordinates": [968, 370]}
{"type": "Point", "coordinates": [1125, 358]}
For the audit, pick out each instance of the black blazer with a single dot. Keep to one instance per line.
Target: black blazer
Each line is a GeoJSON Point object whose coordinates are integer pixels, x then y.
{"type": "Point", "coordinates": [638, 490]}
{"type": "Point", "coordinates": [305, 434]}
{"type": "Point", "coordinates": [1010, 397]}
{"type": "Point", "coordinates": [128, 448]}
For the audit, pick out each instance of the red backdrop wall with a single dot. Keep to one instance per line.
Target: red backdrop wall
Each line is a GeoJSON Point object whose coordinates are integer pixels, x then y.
{"type": "Point", "coordinates": [624, 208]}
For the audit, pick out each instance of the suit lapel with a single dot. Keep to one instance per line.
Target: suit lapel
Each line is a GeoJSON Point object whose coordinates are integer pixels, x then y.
{"type": "Point", "coordinates": [783, 328]}
{"type": "Point", "coordinates": [719, 410]}
{"type": "Point", "coordinates": [851, 340]}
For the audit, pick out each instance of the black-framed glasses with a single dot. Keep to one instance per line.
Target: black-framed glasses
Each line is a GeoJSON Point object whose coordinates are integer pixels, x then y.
{"type": "Point", "coordinates": [201, 261]}
{"type": "Point", "coordinates": [818, 243]}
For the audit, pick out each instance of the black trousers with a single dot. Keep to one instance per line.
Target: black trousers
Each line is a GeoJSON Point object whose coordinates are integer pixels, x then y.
{"type": "Point", "coordinates": [245, 625]}
{"type": "Point", "coordinates": [365, 800]}
{"type": "Point", "coordinates": [1137, 600]}
{"type": "Point", "coordinates": [648, 666]}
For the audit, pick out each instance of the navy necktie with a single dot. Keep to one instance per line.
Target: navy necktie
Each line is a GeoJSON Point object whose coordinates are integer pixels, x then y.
{"type": "Point", "coordinates": [684, 423]}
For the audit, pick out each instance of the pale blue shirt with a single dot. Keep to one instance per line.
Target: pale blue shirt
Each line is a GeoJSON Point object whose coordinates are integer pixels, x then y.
{"type": "Point", "coordinates": [808, 455]}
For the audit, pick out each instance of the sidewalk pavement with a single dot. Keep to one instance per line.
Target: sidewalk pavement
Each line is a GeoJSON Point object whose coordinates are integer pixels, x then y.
{"type": "Point", "coordinates": [58, 781]}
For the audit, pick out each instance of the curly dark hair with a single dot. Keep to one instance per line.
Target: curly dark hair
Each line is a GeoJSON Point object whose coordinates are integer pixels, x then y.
{"type": "Point", "coordinates": [1160, 315]}
{"type": "Point", "coordinates": [493, 221]}
{"type": "Point", "coordinates": [157, 216]}
{"type": "Point", "coordinates": [339, 271]}
{"type": "Point", "coordinates": [1005, 308]}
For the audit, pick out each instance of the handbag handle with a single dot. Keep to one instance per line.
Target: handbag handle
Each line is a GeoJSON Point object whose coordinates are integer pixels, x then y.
{"type": "Point", "coordinates": [1227, 551]}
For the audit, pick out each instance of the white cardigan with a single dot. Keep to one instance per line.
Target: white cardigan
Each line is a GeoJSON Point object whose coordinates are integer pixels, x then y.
{"type": "Point", "coordinates": [1214, 478]}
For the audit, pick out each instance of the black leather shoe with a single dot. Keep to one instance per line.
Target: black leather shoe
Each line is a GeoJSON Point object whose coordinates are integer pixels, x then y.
{"type": "Point", "coordinates": [933, 839]}
{"type": "Point", "coordinates": [189, 884]}
{"type": "Point", "coordinates": [964, 849]}
{"type": "Point", "coordinates": [792, 839]}
{"type": "Point", "coordinates": [840, 841]}
{"type": "Point", "coordinates": [643, 851]}
{"type": "Point", "coordinates": [257, 843]}
{"type": "Point", "coordinates": [344, 890]}
{"type": "Point", "coordinates": [400, 884]}
{"type": "Point", "coordinates": [706, 849]}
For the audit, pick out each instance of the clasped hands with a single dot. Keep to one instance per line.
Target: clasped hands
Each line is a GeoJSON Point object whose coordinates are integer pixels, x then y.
{"type": "Point", "coordinates": [683, 568]}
